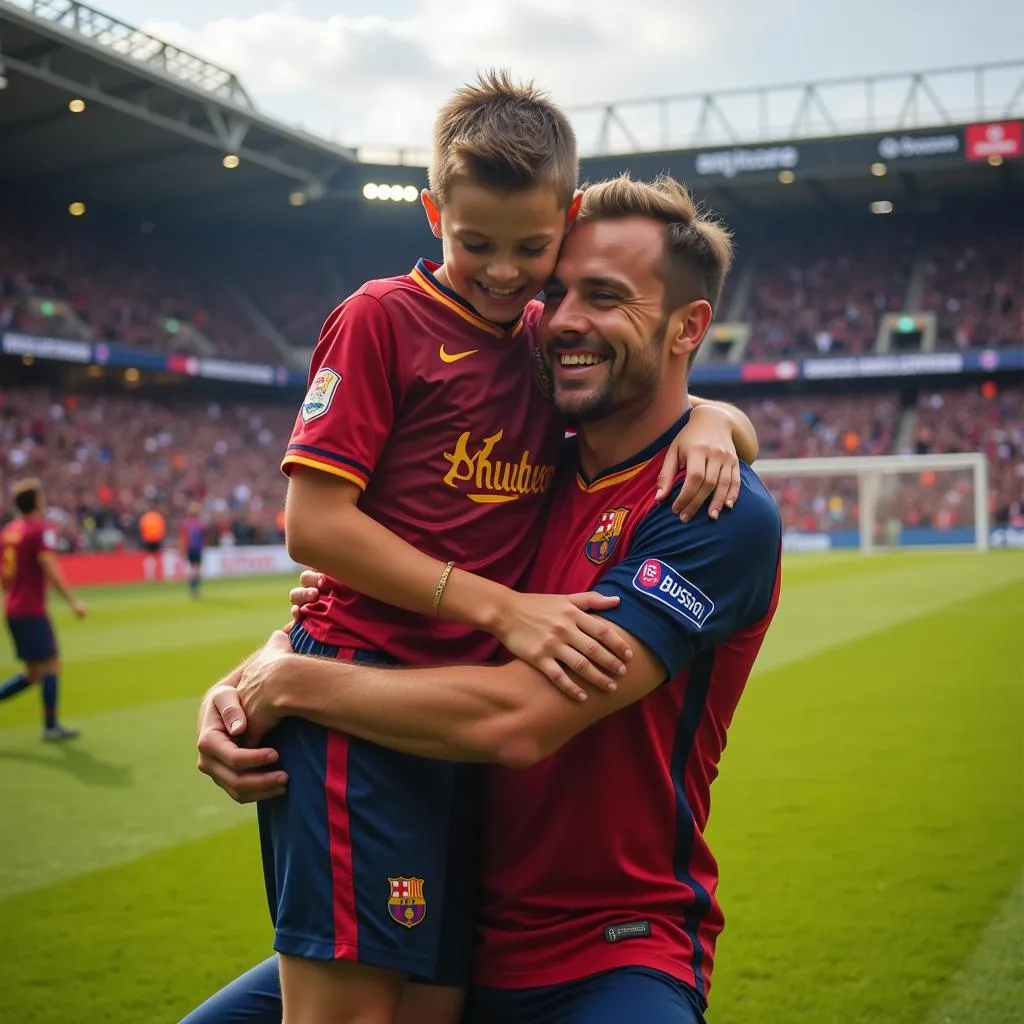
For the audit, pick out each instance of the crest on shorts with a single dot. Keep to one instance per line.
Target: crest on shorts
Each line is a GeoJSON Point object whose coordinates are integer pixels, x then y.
{"type": "Point", "coordinates": [606, 535]}
{"type": "Point", "coordinates": [407, 905]}
{"type": "Point", "coordinates": [321, 392]}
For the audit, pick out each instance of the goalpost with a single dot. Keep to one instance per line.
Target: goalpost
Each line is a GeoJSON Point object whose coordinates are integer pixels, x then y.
{"type": "Point", "coordinates": [881, 502]}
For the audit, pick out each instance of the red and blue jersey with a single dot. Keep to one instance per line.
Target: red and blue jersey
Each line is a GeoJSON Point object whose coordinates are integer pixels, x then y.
{"type": "Point", "coordinates": [439, 417]}
{"type": "Point", "coordinates": [25, 543]}
{"type": "Point", "coordinates": [596, 857]}
{"type": "Point", "coordinates": [193, 533]}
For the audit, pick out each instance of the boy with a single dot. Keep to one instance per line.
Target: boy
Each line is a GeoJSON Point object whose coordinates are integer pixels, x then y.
{"type": "Point", "coordinates": [28, 564]}
{"type": "Point", "coordinates": [419, 469]}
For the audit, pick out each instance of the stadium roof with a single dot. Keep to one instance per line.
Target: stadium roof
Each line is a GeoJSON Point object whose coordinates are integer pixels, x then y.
{"type": "Point", "coordinates": [158, 122]}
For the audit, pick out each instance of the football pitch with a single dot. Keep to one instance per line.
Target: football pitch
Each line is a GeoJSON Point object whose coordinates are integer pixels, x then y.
{"type": "Point", "coordinates": [869, 818]}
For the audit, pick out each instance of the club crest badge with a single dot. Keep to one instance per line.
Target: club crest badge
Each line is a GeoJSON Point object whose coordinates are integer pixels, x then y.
{"type": "Point", "coordinates": [407, 905]}
{"type": "Point", "coordinates": [606, 535]}
{"type": "Point", "coordinates": [320, 394]}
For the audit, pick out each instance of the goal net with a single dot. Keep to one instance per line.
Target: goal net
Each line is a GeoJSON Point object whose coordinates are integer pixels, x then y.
{"type": "Point", "coordinates": [883, 502]}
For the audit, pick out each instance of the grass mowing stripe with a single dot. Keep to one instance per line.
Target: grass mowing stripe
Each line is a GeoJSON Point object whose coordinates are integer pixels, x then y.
{"type": "Point", "coordinates": [990, 987]}
{"type": "Point", "coordinates": [127, 787]}
{"type": "Point", "coordinates": [867, 820]}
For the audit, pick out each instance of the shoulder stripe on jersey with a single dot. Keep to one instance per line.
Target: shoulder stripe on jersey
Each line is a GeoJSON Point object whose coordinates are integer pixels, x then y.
{"type": "Point", "coordinates": [609, 481]}
{"type": "Point", "coordinates": [697, 689]}
{"type": "Point", "coordinates": [334, 457]}
{"type": "Point", "coordinates": [326, 467]}
{"type": "Point", "coordinates": [468, 315]}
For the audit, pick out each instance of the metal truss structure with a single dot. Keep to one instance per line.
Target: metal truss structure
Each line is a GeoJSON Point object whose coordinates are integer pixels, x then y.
{"type": "Point", "coordinates": [132, 72]}
{"type": "Point", "coordinates": [833, 107]}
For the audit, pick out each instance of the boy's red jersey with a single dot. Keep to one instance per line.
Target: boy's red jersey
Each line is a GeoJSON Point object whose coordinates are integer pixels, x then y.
{"type": "Point", "coordinates": [441, 418]}
{"type": "Point", "coordinates": [24, 543]}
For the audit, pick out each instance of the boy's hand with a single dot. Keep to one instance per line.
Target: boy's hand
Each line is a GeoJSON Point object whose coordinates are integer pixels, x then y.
{"type": "Point", "coordinates": [307, 592]}
{"type": "Point", "coordinates": [704, 448]}
{"type": "Point", "coordinates": [550, 631]}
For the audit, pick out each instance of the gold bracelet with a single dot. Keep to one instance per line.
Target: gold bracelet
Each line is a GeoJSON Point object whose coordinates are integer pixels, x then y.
{"type": "Point", "coordinates": [441, 584]}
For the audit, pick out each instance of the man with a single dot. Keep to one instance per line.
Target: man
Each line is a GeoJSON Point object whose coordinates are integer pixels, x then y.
{"type": "Point", "coordinates": [28, 564]}
{"type": "Point", "coordinates": [597, 895]}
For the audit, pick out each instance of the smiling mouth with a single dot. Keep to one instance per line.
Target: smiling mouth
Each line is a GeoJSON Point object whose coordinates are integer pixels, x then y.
{"type": "Point", "coordinates": [499, 293]}
{"type": "Point", "coordinates": [574, 360]}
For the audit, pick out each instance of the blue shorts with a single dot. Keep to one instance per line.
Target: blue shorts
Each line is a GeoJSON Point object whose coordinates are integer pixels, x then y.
{"type": "Point", "coordinates": [371, 854]}
{"type": "Point", "coordinates": [194, 556]}
{"type": "Point", "coordinates": [624, 994]}
{"type": "Point", "coordinates": [33, 639]}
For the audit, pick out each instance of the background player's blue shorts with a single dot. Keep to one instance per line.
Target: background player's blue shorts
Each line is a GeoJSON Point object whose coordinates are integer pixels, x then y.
{"type": "Point", "coordinates": [638, 994]}
{"type": "Point", "coordinates": [34, 639]}
{"type": "Point", "coordinates": [370, 856]}
{"type": "Point", "coordinates": [194, 556]}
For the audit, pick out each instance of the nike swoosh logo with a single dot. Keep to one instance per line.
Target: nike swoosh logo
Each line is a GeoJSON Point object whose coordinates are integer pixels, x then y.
{"type": "Point", "coordinates": [446, 358]}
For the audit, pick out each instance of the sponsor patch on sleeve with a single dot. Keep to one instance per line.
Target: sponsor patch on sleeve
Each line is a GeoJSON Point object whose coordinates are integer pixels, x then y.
{"type": "Point", "coordinates": [662, 583]}
{"type": "Point", "coordinates": [320, 394]}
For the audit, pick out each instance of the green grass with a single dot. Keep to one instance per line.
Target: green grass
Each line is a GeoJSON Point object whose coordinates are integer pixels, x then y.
{"type": "Point", "coordinates": [868, 821]}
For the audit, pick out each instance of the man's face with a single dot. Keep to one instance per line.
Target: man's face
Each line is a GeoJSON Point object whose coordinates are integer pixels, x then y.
{"type": "Point", "coordinates": [604, 323]}
{"type": "Point", "coordinates": [499, 247]}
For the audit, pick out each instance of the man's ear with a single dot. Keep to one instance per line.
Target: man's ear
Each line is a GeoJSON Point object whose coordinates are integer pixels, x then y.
{"type": "Point", "coordinates": [688, 325]}
{"type": "Point", "coordinates": [433, 212]}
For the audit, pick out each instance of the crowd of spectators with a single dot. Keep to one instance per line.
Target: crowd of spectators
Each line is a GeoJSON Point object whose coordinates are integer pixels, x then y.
{"type": "Point", "coordinates": [107, 459]}
{"type": "Point", "coordinates": [811, 290]}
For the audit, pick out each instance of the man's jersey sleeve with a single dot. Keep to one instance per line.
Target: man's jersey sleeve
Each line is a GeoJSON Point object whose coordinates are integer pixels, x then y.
{"type": "Point", "coordinates": [354, 383]}
{"type": "Point", "coordinates": [684, 587]}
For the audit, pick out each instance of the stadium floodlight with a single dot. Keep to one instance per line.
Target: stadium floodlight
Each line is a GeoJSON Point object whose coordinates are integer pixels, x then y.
{"type": "Point", "coordinates": [881, 502]}
{"type": "Point", "coordinates": [879, 170]}
{"type": "Point", "coordinates": [787, 177]}
{"type": "Point", "coordinates": [881, 206]}
{"type": "Point", "coordinates": [230, 161]}
{"type": "Point", "coordinates": [397, 193]}
{"type": "Point", "coordinates": [76, 209]}
{"type": "Point", "coordinates": [391, 193]}
{"type": "Point", "coordinates": [76, 106]}
{"type": "Point", "coordinates": [411, 194]}
{"type": "Point", "coordinates": [297, 198]}
{"type": "Point", "coordinates": [995, 160]}
{"type": "Point", "coordinates": [370, 190]}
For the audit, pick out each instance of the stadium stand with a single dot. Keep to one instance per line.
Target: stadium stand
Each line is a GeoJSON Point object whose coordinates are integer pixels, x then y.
{"type": "Point", "coordinates": [105, 459]}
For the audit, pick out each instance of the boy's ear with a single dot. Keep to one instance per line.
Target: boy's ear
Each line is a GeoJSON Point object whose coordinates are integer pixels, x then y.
{"type": "Point", "coordinates": [574, 208]}
{"type": "Point", "coordinates": [433, 212]}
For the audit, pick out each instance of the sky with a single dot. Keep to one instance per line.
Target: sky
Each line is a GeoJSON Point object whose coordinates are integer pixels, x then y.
{"type": "Point", "coordinates": [373, 73]}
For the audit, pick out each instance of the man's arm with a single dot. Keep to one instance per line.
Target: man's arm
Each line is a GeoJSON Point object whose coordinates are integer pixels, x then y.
{"type": "Point", "coordinates": [509, 714]}
{"type": "Point", "coordinates": [721, 577]}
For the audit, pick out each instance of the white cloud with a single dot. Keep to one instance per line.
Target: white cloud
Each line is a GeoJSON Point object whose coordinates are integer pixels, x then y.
{"type": "Point", "coordinates": [365, 79]}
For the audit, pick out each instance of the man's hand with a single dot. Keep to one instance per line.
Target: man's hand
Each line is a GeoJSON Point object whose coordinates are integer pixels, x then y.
{"type": "Point", "coordinates": [241, 772]}
{"type": "Point", "coordinates": [78, 609]}
{"type": "Point", "coordinates": [253, 697]}
{"type": "Point", "coordinates": [704, 448]}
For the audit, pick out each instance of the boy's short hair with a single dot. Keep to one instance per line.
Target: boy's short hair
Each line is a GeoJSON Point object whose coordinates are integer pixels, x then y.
{"type": "Point", "coordinates": [26, 494]}
{"type": "Point", "coordinates": [698, 249]}
{"type": "Point", "coordinates": [503, 135]}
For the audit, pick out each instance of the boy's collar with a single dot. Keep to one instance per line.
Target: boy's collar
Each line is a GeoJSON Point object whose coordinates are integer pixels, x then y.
{"type": "Point", "coordinates": [425, 275]}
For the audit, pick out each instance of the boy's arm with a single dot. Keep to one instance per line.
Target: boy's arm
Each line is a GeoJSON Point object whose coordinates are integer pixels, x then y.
{"type": "Point", "coordinates": [357, 382]}
{"type": "Point", "coordinates": [326, 529]}
{"type": "Point", "coordinates": [716, 436]}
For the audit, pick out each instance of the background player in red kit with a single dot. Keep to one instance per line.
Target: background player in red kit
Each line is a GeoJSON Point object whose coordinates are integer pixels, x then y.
{"type": "Point", "coordinates": [598, 888]}
{"type": "Point", "coordinates": [424, 442]}
{"type": "Point", "coordinates": [28, 564]}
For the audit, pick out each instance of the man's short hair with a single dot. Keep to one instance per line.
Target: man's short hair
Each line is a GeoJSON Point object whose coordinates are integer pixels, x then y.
{"type": "Point", "coordinates": [698, 249]}
{"type": "Point", "coordinates": [503, 135]}
{"type": "Point", "coordinates": [26, 494]}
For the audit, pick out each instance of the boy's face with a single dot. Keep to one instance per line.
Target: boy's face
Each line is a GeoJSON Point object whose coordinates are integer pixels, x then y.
{"type": "Point", "coordinates": [499, 247]}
